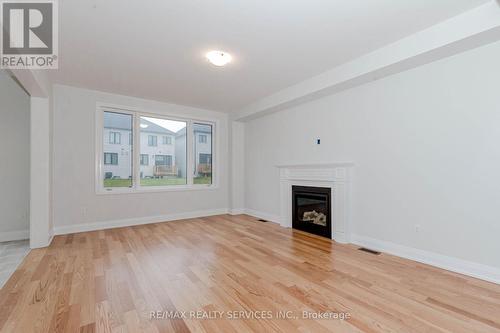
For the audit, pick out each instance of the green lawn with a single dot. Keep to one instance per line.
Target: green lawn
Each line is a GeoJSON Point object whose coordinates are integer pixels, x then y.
{"type": "Point", "coordinates": [163, 181]}
{"type": "Point", "coordinates": [202, 180]}
{"type": "Point", "coordinates": [155, 182]}
{"type": "Point", "coordinates": [117, 182]}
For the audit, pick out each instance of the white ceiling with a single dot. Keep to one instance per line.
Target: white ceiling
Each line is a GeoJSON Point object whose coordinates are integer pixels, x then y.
{"type": "Point", "coordinates": [155, 49]}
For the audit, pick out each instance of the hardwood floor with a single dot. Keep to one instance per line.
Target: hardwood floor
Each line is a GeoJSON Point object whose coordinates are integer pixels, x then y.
{"type": "Point", "coordinates": [111, 281]}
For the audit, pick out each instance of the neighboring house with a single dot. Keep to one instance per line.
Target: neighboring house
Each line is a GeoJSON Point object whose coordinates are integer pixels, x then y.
{"type": "Point", "coordinates": [157, 155]}
{"type": "Point", "coordinates": [162, 152]}
{"type": "Point", "coordinates": [203, 149]}
{"type": "Point", "coordinates": [117, 146]}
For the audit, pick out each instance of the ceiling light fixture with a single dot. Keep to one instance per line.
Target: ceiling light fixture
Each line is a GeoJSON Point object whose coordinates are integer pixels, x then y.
{"type": "Point", "coordinates": [219, 58]}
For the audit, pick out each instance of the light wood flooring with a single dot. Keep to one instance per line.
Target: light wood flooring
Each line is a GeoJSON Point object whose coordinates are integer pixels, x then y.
{"type": "Point", "coordinates": [111, 281]}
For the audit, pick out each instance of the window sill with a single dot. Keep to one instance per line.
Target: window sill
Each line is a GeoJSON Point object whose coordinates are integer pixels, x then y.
{"type": "Point", "coordinates": [142, 190]}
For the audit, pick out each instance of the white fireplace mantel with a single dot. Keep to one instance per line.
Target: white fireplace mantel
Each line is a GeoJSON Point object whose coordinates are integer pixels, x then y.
{"type": "Point", "coordinates": [336, 176]}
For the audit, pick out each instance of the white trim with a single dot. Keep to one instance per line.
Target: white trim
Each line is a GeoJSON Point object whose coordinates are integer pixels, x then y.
{"type": "Point", "coordinates": [156, 189]}
{"type": "Point", "coordinates": [70, 229]}
{"type": "Point", "coordinates": [8, 236]}
{"type": "Point", "coordinates": [335, 176]}
{"type": "Point", "coordinates": [237, 211]}
{"type": "Point", "coordinates": [41, 243]}
{"type": "Point", "coordinates": [480, 271]}
{"type": "Point", "coordinates": [50, 240]}
{"type": "Point", "coordinates": [262, 215]}
{"type": "Point", "coordinates": [190, 159]}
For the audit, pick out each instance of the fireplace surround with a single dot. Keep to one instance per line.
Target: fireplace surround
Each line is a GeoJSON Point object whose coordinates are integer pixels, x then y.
{"type": "Point", "coordinates": [335, 176]}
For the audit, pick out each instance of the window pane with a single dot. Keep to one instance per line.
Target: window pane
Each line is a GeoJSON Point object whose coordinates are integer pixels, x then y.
{"type": "Point", "coordinates": [115, 138]}
{"type": "Point", "coordinates": [152, 140]}
{"type": "Point", "coordinates": [167, 140]}
{"type": "Point", "coordinates": [111, 158]}
{"type": "Point", "coordinates": [117, 166]}
{"type": "Point", "coordinates": [144, 159]}
{"type": "Point", "coordinates": [168, 161]}
{"type": "Point", "coordinates": [202, 153]}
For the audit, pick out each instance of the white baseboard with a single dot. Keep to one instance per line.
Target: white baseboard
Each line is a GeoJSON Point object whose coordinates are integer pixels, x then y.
{"type": "Point", "coordinates": [39, 242]}
{"type": "Point", "coordinates": [9, 236]}
{"type": "Point", "coordinates": [237, 211]}
{"type": "Point", "coordinates": [262, 215]}
{"type": "Point", "coordinates": [51, 238]}
{"type": "Point", "coordinates": [71, 229]}
{"type": "Point", "coordinates": [480, 271]}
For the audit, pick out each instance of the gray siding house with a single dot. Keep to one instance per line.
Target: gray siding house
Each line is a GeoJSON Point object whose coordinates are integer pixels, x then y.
{"type": "Point", "coordinates": [162, 152]}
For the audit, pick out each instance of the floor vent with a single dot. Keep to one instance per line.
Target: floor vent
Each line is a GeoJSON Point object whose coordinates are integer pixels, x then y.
{"type": "Point", "coordinates": [364, 249]}
{"type": "Point", "coordinates": [262, 220]}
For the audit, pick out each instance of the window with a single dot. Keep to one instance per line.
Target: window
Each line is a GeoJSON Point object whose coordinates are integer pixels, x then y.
{"type": "Point", "coordinates": [163, 160]}
{"type": "Point", "coordinates": [111, 158]}
{"type": "Point", "coordinates": [143, 163]}
{"type": "Point", "coordinates": [115, 138]}
{"type": "Point", "coordinates": [144, 159]}
{"type": "Point", "coordinates": [203, 154]}
{"type": "Point", "coordinates": [152, 140]}
{"type": "Point", "coordinates": [169, 162]}
{"type": "Point", "coordinates": [205, 158]}
{"type": "Point", "coordinates": [167, 140]}
{"type": "Point", "coordinates": [117, 159]}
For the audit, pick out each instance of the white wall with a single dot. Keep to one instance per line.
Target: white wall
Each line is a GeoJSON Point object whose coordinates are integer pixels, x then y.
{"type": "Point", "coordinates": [76, 203]}
{"type": "Point", "coordinates": [38, 86]}
{"type": "Point", "coordinates": [426, 145]}
{"type": "Point", "coordinates": [41, 224]}
{"type": "Point", "coordinates": [15, 160]}
{"type": "Point", "coordinates": [237, 148]}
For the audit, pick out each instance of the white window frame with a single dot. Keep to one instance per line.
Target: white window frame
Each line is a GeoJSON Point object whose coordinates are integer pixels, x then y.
{"type": "Point", "coordinates": [136, 113]}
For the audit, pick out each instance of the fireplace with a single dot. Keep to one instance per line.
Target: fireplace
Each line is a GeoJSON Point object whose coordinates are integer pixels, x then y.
{"type": "Point", "coordinates": [311, 210]}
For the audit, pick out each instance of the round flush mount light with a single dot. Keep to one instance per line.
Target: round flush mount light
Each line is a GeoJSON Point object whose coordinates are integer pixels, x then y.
{"type": "Point", "coordinates": [219, 58]}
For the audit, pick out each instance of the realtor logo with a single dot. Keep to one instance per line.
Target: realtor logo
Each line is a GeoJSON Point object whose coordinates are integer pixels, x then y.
{"type": "Point", "coordinates": [29, 37]}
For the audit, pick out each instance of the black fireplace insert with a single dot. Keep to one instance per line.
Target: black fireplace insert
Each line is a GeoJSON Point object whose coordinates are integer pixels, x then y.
{"type": "Point", "coordinates": [311, 210]}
